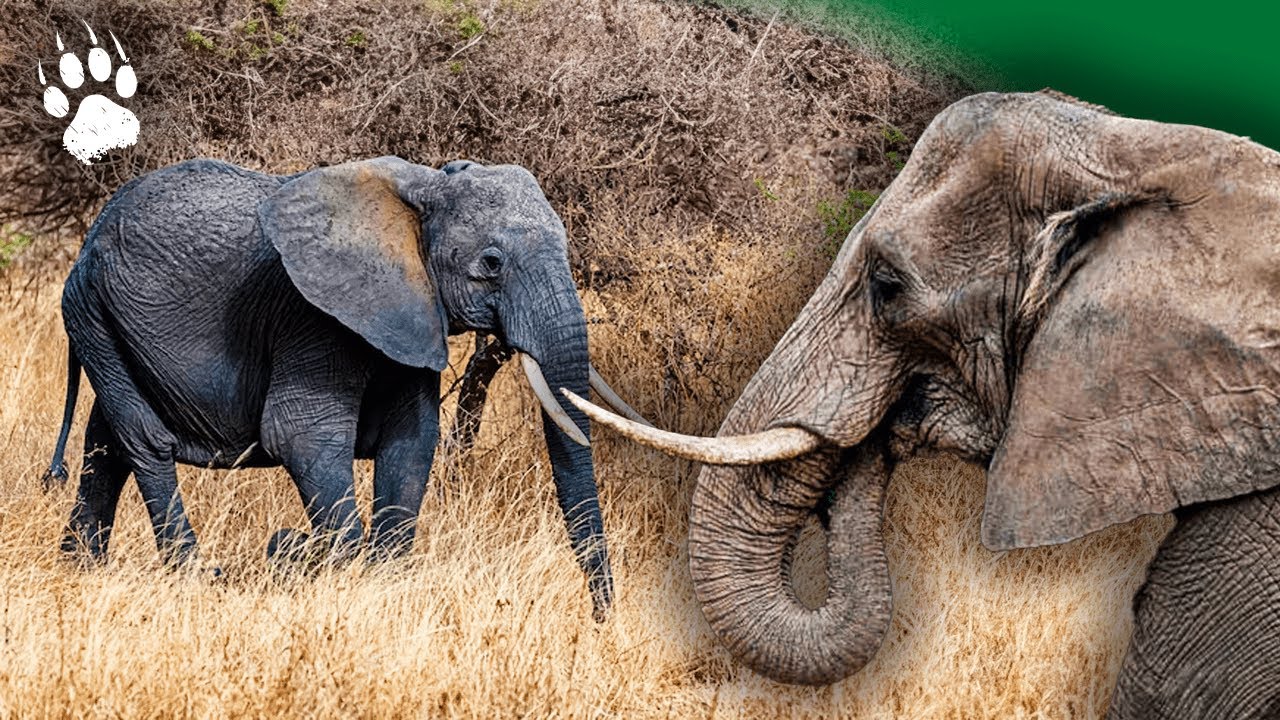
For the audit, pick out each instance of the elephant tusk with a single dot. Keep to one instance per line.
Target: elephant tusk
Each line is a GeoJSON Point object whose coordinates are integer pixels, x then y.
{"type": "Point", "coordinates": [782, 443]}
{"type": "Point", "coordinates": [611, 399]}
{"type": "Point", "coordinates": [548, 401]}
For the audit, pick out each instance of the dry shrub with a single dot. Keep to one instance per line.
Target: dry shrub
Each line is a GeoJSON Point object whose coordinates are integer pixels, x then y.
{"type": "Point", "coordinates": [680, 108]}
{"type": "Point", "coordinates": [686, 148]}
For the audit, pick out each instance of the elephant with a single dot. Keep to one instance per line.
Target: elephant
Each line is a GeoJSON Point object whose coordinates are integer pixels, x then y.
{"type": "Point", "coordinates": [1087, 305]}
{"type": "Point", "coordinates": [230, 318]}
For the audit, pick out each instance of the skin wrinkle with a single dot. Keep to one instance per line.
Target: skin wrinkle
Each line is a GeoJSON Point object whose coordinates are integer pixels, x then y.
{"type": "Point", "coordinates": [1200, 586]}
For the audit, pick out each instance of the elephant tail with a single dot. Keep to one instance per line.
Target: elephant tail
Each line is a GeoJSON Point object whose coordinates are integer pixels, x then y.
{"type": "Point", "coordinates": [57, 472]}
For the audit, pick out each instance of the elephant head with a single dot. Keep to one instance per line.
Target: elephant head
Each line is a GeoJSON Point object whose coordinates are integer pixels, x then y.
{"type": "Point", "coordinates": [405, 255]}
{"type": "Point", "coordinates": [1083, 302]}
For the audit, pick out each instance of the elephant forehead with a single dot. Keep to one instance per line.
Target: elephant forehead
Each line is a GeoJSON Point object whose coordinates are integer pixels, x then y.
{"type": "Point", "coordinates": [943, 241]}
{"type": "Point", "coordinates": [507, 191]}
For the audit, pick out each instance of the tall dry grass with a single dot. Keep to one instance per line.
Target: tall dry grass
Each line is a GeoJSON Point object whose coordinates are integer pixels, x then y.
{"type": "Point", "coordinates": [489, 616]}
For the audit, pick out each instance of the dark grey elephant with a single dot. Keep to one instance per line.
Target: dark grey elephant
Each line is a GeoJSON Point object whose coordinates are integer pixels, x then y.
{"type": "Point", "coordinates": [229, 318]}
{"type": "Point", "coordinates": [1088, 305]}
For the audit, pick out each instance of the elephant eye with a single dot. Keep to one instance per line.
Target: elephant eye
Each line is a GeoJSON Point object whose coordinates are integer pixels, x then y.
{"type": "Point", "coordinates": [885, 286]}
{"type": "Point", "coordinates": [492, 261]}
{"type": "Point", "coordinates": [488, 265]}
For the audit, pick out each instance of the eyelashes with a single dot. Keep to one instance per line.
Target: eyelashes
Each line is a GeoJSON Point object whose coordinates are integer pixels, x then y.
{"type": "Point", "coordinates": [885, 285]}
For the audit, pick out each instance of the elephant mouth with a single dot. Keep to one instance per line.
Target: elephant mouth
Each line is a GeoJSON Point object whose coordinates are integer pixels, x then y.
{"type": "Point", "coordinates": [495, 354]}
{"type": "Point", "coordinates": [929, 417]}
{"type": "Point", "coordinates": [919, 420]}
{"type": "Point", "coordinates": [547, 398]}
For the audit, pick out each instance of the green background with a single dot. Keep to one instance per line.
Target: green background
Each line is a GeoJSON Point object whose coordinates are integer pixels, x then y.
{"type": "Point", "coordinates": [1212, 64]}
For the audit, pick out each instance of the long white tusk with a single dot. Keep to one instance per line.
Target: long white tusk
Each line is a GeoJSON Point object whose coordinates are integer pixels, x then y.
{"type": "Point", "coordinates": [781, 443]}
{"type": "Point", "coordinates": [612, 400]}
{"type": "Point", "coordinates": [549, 402]}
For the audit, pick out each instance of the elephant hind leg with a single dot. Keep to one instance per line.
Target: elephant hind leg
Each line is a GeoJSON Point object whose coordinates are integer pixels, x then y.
{"type": "Point", "coordinates": [145, 445]}
{"type": "Point", "coordinates": [102, 478]}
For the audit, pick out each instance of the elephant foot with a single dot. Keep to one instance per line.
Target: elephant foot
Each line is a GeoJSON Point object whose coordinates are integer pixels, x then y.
{"type": "Point", "coordinates": [84, 541]}
{"type": "Point", "coordinates": [287, 550]}
{"type": "Point", "coordinates": [84, 553]}
{"type": "Point", "coordinates": [600, 612]}
{"type": "Point", "coordinates": [200, 571]}
{"type": "Point", "coordinates": [292, 552]}
{"type": "Point", "coordinates": [184, 558]}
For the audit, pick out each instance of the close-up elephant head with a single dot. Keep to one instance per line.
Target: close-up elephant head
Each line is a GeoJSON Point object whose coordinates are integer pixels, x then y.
{"type": "Point", "coordinates": [1083, 303]}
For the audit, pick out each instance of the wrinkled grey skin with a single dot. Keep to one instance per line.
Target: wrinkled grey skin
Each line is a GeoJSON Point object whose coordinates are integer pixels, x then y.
{"type": "Point", "coordinates": [225, 317]}
{"type": "Point", "coordinates": [1085, 304]}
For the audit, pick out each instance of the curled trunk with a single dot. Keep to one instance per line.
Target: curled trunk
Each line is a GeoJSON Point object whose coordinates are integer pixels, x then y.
{"type": "Point", "coordinates": [742, 526]}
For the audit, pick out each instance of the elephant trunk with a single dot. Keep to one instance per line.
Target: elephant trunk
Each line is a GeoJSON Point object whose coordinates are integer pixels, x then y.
{"type": "Point", "coordinates": [743, 524]}
{"type": "Point", "coordinates": [548, 326]}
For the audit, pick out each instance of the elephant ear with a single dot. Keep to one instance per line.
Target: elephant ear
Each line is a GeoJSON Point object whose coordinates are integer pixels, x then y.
{"type": "Point", "coordinates": [1150, 379]}
{"type": "Point", "coordinates": [350, 239]}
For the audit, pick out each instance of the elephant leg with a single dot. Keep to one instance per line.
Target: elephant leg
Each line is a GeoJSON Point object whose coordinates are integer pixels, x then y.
{"type": "Point", "coordinates": [140, 436]}
{"type": "Point", "coordinates": [320, 463]}
{"type": "Point", "coordinates": [1206, 631]}
{"type": "Point", "coordinates": [102, 478]}
{"type": "Point", "coordinates": [157, 477]}
{"type": "Point", "coordinates": [309, 424]}
{"type": "Point", "coordinates": [406, 449]}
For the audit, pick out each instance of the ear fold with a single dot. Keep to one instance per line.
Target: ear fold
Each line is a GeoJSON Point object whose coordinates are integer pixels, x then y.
{"type": "Point", "coordinates": [349, 236]}
{"type": "Point", "coordinates": [1150, 378]}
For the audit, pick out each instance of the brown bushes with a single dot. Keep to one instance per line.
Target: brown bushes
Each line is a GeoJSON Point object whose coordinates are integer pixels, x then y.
{"type": "Point", "coordinates": [662, 133]}
{"type": "Point", "coordinates": [678, 108]}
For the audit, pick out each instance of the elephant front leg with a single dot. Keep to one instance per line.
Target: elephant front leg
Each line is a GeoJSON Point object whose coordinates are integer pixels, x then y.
{"type": "Point", "coordinates": [320, 463]}
{"type": "Point", "coordinates": [309, 424]}
{"type": "Point", "coordinates": [410, 427]}
{"type": "Point", "coordinates": [1206, 623]}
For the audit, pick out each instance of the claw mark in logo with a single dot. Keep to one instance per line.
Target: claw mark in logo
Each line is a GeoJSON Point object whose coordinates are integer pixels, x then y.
{"type": "Point", "coordinates": [99, 124]}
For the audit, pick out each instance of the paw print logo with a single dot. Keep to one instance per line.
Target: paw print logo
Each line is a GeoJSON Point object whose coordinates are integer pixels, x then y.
{"type": "Point", "coordinates": [99, 124]}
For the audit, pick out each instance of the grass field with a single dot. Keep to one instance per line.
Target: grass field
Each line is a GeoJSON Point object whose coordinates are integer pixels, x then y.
{"type": "Point", "coordinates": [489, 616]}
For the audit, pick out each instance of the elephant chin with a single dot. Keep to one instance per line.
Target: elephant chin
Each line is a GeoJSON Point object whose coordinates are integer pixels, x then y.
{"type": "Point", "coordinates": [743, 524]}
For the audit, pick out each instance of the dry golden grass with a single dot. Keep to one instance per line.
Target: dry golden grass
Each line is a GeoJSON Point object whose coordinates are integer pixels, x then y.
{"type": "Point", "coordinates": [489, 616]}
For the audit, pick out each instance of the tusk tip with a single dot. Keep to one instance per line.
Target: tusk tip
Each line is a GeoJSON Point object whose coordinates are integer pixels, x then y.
{"type": "Point", "coordinates": [578, 402]}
